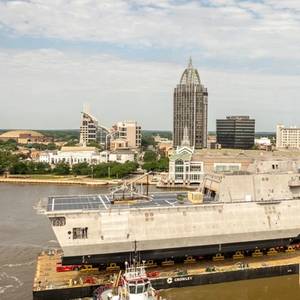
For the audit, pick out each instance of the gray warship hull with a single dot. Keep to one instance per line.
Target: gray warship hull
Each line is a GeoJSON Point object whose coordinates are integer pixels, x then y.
{"type": "Point", "coordinates": [239, 213]}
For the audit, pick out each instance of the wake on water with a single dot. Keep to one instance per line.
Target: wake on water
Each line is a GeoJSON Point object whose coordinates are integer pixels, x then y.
{"type": "Point", "coordinates": [10, 282]}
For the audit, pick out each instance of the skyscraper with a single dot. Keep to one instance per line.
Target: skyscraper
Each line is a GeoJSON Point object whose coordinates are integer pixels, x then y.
{"type": "Point", "coordinates": [88, 128]}
{"type": "Point", "coordinates": [190, 109]}
{"type": "Point", "coordinates": [91, 130]}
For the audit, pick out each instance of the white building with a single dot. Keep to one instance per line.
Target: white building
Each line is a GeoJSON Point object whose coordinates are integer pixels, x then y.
{"type": "Point", "coordinates": [74, 155]}
{"type": "Point", "coordinates": [287, 137]}
{"type": "Point", "coordinates": [263, 141]}
{"type": "Point", "coordinates": [90, 155]}
{"type": "Point", "coordinates": [122, 156]}
{"type": "Point", "coordinates": [129, 131]}
{"type": "Point", "coordinates": [183, 168]}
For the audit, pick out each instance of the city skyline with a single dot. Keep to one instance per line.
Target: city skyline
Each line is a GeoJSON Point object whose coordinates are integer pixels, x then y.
{"type": "Point", "coordinates": [56, 56]}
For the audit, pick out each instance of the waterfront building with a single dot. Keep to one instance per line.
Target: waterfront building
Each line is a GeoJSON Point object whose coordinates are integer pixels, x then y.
{"type": "Point", "coordinates": [190, 109]}
{"type": "Point", "coordinates": [236, 132]}
{"type": "Point", "coordinates": [25, 137]}
{"type": "Point", "coordinates": [90, 155]}
{"type": "Point", "coordinates": [122, 156]}
{"type": "Point", "coordinates": [73, 155]}
{"type": "Point", "coordinates": [287, 137]}
{"type": "Point", "coordinates": [128, 131]}
{"type": "Point", "coordinates": [183, 167]}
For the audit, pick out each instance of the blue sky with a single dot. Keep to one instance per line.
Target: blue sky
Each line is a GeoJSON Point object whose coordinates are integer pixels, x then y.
{"type": "Point", "coordinates": [124, 59]}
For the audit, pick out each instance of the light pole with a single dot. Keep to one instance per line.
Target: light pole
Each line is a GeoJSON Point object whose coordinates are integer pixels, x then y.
{"type": "Point", "coordinates": [92, 172]}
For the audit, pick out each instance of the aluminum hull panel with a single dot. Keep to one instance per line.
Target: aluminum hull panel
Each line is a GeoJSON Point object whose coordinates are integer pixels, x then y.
{"type": "Point", "coordinates": [176, 253]}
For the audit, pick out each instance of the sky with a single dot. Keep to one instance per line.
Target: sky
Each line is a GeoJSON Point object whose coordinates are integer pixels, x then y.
{"type": "Point", "coordinates": [123, 59]}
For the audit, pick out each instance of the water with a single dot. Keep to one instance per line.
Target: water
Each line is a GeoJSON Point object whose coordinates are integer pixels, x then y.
{"type": "Point", "coordinates": [276, 288]}
{"type": "Point", "coordinates": [23, 234]}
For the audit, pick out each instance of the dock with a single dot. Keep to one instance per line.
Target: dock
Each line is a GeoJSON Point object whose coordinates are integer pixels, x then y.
{"type": "Point", "coordinates": [50, 284]}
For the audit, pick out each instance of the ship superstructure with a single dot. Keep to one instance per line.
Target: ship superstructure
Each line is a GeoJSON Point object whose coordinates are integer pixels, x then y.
{"type": "Point", "coordinates": [232, 212]}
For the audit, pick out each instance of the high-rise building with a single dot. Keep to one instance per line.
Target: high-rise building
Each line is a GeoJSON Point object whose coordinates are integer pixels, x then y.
{"type": "Point", "coordinates": [88, 128]}
{"type": "Point", "coordinates": [91, 130]}
{"type": "Point", "coordinates": [236, 132]}
{"type": "Point", "coordinates": [190, 109]}
{"type": "Point", "coordinates": [129, 131]}
{"type": "Point", "coordinates": [287, 137]}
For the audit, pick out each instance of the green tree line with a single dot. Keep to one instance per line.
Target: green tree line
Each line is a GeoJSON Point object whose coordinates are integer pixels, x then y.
{"type": "Point", "coordinates": [153, 163]}
{"type": "Point", "coordinates": [14, 164]}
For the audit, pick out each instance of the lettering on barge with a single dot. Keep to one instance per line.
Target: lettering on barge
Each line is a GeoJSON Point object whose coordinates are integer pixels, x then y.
{"type": "Point", "coordinates": [171, 280]}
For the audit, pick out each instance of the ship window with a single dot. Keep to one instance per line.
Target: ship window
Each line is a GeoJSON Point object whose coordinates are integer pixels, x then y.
{"type": "Point", "coordinates": [58, 221]}
{"type": "Point", "coordinates": [132, 289]}
{"type": "Point", "coordinates": [140, 289]}
{"type": "Point", "coordinates": [80, 233]}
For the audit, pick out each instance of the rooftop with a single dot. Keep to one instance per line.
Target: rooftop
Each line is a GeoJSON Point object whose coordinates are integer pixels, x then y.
{"type": "Point", "coordinates": [250, 154]}
{"type": "Point", "coordinates": [77, 149]}
{"type": "Point", "coordinates": [17, 133]}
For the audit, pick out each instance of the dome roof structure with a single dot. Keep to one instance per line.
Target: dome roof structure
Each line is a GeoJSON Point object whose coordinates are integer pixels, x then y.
{"type": "Point", "coordinates": [18, 133]}
{"type": "Point", "coordinates": [190, 75]}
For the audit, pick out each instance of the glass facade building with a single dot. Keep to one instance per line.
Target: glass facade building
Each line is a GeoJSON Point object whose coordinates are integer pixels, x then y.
{"type": "Point", "coordinates": [237, 132]}
{"type": "Point", "coordinates": [190, 109]}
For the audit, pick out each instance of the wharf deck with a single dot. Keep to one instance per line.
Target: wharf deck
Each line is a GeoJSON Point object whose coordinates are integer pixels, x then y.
{"type": "Point", "coordinates": [50, 284]}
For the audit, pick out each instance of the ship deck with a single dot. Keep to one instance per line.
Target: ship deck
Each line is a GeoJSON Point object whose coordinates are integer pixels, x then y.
{"type": "Point", "coordinates": [105, 202]}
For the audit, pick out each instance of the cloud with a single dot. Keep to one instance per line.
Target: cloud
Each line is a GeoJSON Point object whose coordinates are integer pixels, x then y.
{"type": "Point", "coordinates": [47, 88]}
{"type": "Point", "coordinates": [216, 28]}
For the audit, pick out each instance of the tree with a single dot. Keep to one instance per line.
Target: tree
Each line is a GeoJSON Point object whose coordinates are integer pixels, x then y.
{"type": "Point", "coordinates": [163, 164]}
{"type": "Point", "coordinates": [62, 168]}
{"type": "Point", "coordinates": [71, 143]}
{"type": "Point", "coordinates": [81, 169]}
{"type": "Point", "coordinates": [101, 170]}
{"type": "Point", "coordinates": [6, 160]}
{"type": "Point", "coordinates": [114, 169]}
{"type": "Point", "coordinates": [10, 145]}
{"type": "Point", "coordinates": [19, 167]}
{"type": "Point", "coordinates": [51, 146]}
{"type": "Point", "coordinates": [147, 140]}
{"type": "Point", "coordinates": [94, 144]}
{"type": "Point", "coordinates": [150, 166]}
{"type": "Point", "coordinates": [150, 156]}
{"type": "Point", "coordinates": [38, 168]}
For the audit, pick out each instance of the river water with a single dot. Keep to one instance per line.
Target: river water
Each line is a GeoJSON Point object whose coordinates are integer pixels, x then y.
{"type": "Point", "coordinates": [23, 234]}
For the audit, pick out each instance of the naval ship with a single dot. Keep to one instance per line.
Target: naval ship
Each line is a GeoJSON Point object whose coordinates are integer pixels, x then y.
{"type": "Point", "coordinates": [227, 213]}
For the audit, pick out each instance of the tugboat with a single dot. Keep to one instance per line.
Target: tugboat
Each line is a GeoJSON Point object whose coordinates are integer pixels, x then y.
{"type": "Point", "coordinates": [132, 285]}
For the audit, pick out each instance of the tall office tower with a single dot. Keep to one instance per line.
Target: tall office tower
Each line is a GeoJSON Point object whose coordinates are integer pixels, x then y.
{"type": "Point", "coordinates": [236, 132]}
{"type": "Point", "coordinates": [88, 128]}
{"type": "Point", "coordinates": [190, 109]}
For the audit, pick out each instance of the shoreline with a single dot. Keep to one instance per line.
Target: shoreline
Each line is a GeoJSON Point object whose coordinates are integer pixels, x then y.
{"type": "Point", "coordinates": [62, 181]}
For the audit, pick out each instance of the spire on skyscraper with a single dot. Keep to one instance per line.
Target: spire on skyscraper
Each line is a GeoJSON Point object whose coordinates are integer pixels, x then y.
{"type": "Point", "coordinates": [190, 65]}
{"type": "Point", "coordinates": [190, 74]}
